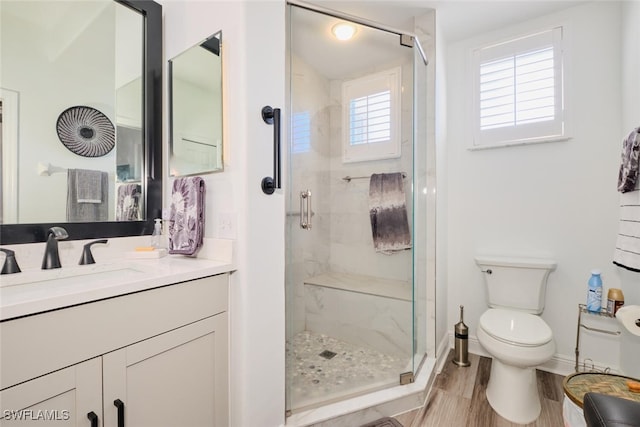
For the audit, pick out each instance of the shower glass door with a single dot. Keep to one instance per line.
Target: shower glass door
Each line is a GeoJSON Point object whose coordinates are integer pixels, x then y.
{"type": "Point", "coordinates": [351, 257]}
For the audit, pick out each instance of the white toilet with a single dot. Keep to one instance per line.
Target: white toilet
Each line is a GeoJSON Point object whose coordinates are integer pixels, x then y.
{"type": "Point", "coordinates": [514, 335]}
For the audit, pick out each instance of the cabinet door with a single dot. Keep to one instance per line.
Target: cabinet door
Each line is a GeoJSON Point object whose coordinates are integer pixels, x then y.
{"type": "Point", "coordinates": [179, 378]}
{"type": "Point", "coordinates": [62, 398]}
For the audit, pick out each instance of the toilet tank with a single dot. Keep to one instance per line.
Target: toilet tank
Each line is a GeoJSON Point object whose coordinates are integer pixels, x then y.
{"type": "Point", "coordinates": [516, 283]}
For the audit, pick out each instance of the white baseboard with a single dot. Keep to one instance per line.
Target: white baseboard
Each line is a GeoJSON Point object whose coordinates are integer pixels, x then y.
{"type": "Point", "coordinates": [442, 352]}
{"type": "Point", "coordinates": [559, 364]}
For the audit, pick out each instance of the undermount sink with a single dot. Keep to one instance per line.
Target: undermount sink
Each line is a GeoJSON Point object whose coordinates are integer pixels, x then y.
{"type": "Point", "coordinates": [70, 276]}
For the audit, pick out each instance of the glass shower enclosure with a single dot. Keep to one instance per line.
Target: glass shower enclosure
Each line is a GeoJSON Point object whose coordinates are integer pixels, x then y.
{"type": "Point", "coordinates": [356, 209]}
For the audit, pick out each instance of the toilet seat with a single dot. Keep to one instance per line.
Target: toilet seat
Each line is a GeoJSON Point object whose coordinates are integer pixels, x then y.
{"type": "Point", "coordinates": [515, 327]}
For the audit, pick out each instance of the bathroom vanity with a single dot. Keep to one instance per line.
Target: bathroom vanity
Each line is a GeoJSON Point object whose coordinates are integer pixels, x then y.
{"type": "Point", "coordinates": [149, 349]}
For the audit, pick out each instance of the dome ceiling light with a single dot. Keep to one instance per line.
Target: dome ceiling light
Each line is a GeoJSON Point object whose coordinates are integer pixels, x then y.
{"type": "Point", "coordinates": [343, 31]}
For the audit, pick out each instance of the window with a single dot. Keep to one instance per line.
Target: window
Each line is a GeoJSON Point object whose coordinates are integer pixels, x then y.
{"type": "Point", "coordinates": [518, 90]}
{"type": "Point", "coordinates": [371, 114]}
{"type": "Point", "coordinates": [301, 132]}
{"type": "Point", "coordinates": [370, 118]}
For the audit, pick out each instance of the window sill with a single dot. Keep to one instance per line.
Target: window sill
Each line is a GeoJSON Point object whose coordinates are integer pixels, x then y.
{"type": "Point", "coordinates": [518, 142]}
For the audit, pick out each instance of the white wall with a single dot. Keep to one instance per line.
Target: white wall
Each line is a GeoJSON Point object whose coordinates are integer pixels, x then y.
{"type": "Point", "coordinates": [630, 109]}
{"type": "Point", "coordinates": [48, 81]}
{"type": "Point", "coordinates": [253, 48]}
{"type": "Point", "coordinates": [554, 200]}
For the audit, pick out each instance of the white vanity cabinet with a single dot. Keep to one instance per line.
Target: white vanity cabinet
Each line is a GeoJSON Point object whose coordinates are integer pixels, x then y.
{"type": "Point", "coordinates": [61, 398]}
{"type": "Point", "coordinates": [161, 355]}
{"type": "Point", "coordinates": [175, 379]}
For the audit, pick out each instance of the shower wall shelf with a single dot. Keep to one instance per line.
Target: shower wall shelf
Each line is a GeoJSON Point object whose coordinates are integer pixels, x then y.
{"type": "Point", "coordinates": [582, 309]}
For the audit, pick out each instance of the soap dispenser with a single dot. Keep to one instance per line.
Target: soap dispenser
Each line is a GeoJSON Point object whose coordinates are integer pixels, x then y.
{"type": "Point", "coordinates": [156, 236]}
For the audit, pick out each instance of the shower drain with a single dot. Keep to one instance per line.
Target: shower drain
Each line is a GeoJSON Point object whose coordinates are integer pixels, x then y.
{"type": "Point", "coordinates": [327, 354]}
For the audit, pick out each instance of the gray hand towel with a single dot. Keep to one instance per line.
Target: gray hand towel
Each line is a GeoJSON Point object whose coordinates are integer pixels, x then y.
{"type": "Point", "coordinates": [88, 186]}
{"type": "Point", "coordinates": [90, 211]}
{"type": "Point", "coordinates": [388, 213]}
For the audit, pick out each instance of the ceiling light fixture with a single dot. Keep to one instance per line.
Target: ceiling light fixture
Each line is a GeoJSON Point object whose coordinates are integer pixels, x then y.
{"type": "Point", "coordinates": [343, 31]}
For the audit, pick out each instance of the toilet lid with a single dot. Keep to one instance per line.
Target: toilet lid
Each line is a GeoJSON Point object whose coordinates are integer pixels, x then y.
{"type": "Point", "coordinates": [515, 327]}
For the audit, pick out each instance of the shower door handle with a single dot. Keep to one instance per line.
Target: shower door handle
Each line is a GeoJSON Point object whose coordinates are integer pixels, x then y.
{"type": "Point", "coordinates": [305, 209]}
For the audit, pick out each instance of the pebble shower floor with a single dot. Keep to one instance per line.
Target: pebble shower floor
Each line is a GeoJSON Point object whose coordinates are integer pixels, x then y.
{"type": "Point", "coordinates": [314, 379]}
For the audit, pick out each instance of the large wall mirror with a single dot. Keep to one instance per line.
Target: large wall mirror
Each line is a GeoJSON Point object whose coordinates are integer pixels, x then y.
{"type": "Point", "coordinates": [81, 103]}
{"type": "Point", "coordinates": [195, 109]}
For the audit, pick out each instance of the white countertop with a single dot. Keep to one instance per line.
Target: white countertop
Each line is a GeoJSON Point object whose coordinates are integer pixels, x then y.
{"type": "Point", "coordinates": [34, 291]}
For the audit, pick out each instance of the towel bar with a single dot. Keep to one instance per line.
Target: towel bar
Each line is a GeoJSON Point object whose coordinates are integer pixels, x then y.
{"type": "Point", "coordinates": [298, 213]}
{"type": "Point", "coordinates": [47, 169]}
{"type": "Point", "coordinates": [349, 178]}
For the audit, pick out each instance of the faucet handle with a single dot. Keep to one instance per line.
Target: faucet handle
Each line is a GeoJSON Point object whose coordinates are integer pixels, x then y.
{"type": "Point", "coordinates": [87, 256]}
{"type": "Point", "coordinates": [10, 264]}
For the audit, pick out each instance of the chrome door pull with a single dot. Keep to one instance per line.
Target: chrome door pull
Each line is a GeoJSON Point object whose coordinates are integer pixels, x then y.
{"type": "Point", "coordinates": [308, 209]}
{"type": "Point", "coordinates": [305, 209]}
{"type": "Point", "coordinates": [303, 225]}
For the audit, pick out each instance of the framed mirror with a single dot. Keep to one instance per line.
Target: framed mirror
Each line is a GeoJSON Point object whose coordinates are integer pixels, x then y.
{"type": "Point", "coordinates": [195, 109]}
{"type": "Point", "coordinates": [91, 102]}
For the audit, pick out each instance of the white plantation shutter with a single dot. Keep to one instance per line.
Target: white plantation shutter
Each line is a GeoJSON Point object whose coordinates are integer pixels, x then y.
{"type": "Point", "coordinates": [301, 132]}
{"type": "Point", "coordinates": [518, 90]}
{"type": "Point", "coordinates": [371, 117]}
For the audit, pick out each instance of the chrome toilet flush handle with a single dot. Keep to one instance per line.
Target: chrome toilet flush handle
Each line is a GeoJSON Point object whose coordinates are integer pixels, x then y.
{"type": "Point", "coordinates": [487, 271]}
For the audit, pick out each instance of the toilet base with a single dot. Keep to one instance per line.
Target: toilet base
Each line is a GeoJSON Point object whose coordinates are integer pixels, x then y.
{"type": "Point", "coordinates": [513, 392]}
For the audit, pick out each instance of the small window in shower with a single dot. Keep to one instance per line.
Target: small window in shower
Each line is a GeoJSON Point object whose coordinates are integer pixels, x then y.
{"type": "Point", "coordinates": [371, 116]}
{"type": "Point", "coordinates": [301, 132]}
{"type": "Point", "coordinates": [518, 91]}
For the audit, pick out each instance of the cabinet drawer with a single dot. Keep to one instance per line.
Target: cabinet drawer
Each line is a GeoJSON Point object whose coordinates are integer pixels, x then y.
{"type": "Point", "coordinates": [42, 343]}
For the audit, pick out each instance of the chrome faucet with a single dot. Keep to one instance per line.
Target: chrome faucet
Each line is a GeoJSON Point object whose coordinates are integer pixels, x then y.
{"type": "Point", "coordinates": [51, 257]}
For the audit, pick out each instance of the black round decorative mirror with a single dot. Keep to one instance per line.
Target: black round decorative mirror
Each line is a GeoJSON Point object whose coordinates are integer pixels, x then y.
{"type": "Point", "coordinates": [86, 131]}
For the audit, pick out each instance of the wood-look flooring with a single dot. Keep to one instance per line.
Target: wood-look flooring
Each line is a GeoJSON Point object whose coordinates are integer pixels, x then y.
{"type": "Point", "coordinates": [458, 399]}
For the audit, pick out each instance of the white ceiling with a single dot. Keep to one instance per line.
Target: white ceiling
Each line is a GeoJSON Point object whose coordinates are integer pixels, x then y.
{"type": "Point", "coordinates": [312, 40]}
{"type": "Point", "coordinates": [369, 49]}
{"type": "Point", "coordinates": [459, 19]}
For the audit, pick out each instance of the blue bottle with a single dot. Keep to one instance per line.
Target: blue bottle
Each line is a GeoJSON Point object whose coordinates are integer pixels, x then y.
{"type": "Point", "coordinates": [594, 297]}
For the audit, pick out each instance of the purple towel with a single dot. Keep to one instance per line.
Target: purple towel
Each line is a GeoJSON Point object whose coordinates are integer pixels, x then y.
{"type": "Point", "coordinates": [128, 203]}
{"type": "Point", "coordinates": [628, 174]}
{"type": "Point", "coordinates": [186, 217]}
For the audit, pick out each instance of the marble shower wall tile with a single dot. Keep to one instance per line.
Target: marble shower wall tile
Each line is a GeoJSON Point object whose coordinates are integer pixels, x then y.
{"type": "Point", "coordinates": [372, 321]}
